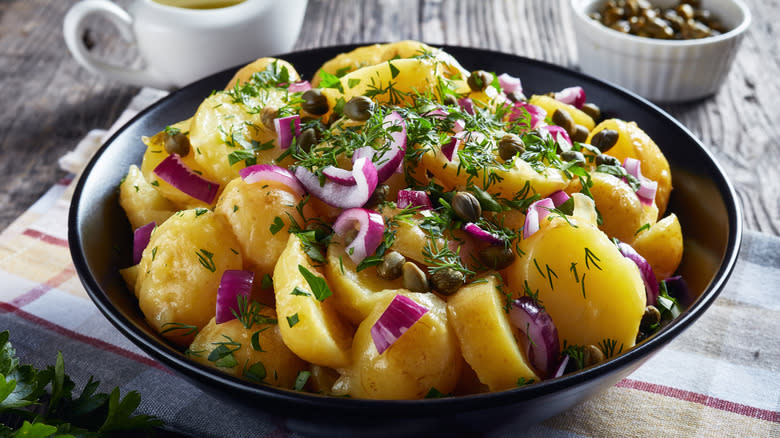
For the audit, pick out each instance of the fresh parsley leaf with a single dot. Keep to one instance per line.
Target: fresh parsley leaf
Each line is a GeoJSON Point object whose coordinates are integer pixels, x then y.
{"type": "Point", "coordinates": [292, 320]}
{"type": "Point", "coordinates": [277, 225]}
{"type": "Point", "coordinates": [317, 284]}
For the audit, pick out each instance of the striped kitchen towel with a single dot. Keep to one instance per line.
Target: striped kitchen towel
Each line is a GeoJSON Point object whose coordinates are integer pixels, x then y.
{"type": "Point", "coordinates": [719, 378]}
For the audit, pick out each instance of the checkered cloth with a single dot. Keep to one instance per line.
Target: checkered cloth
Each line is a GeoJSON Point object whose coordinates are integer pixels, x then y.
{"type": "Point", "coordinates": [719, 378]}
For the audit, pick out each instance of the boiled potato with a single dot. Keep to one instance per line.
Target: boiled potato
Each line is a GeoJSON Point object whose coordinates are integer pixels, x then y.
{"type": "Point", "coordinates": [245, 73]}
{"type": "Point", "coordinates": [662, 246]}
{"type": "Point", "coordinates": [513, 180]}
{"type": "Point", "coordinates": [355, 293]}
{"type": "Point", "coordinates": [141, 201]}
{"type": "Point", "coordinates": [590, 290]}
{"type": "Point", "coordinates": [487, 338]}
{"type": "Point", "coordinates": [312, 329]}
{"type": "Point", "coordinates": [374, 54]}
{"type": "Point", "coordinates": [155, 153]}
{"type": "Point", "coordinates": [551, 104]}
{"type": "Point", "coordinates": [426, 356]}
{"type": "Point", "coordinates": [180, 271]}
{"type": "Point", "coordinates": [622, 212]}
{"type": "Point", "coordinates": [273, 363]}
{"type": "Point", "coordinates": [635, 143]}
{"type": "Point", "coordinates": [259, 214]}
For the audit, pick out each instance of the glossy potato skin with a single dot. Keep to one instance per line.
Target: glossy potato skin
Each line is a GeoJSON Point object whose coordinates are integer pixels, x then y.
{"type": "Point", "coordinates": [477, 313]}
{"type": "Point", "coordinates": [177, 281]}
{"type": "Point", "coordinates": [281, 365]}
{"type": "Point", "coordinates": [590, 290]}
{"type": "Point", "coordinates": [662, 246]}
{"type": "Point", "coordinates": [426, 356]}
{"type": "Point", "coordinates": [633, 142]}
{"type": "Point", "coordinates": [141, 201]}
{"type": "Point", "coordinates": [251, 210]}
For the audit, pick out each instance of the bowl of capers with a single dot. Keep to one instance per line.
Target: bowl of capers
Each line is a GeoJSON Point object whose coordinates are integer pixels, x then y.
{"type": "Point", "coordinates": [663, 50]}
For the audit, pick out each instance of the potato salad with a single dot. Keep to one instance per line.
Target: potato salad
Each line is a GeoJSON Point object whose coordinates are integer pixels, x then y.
{"type": "Point", "coordinates": [398, 227]}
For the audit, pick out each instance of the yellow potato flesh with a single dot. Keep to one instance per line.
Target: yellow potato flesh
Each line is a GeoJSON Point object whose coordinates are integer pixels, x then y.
{"type": "Point", "coordinates": [354, 292]}
{"type": "Point", "coordinates": [281, 366]}
{"type": "Point", "coordinates": [551, 104]}
{"type": "Point", "coordinates": [180, 271]}
{"type": "Point", "coordinates": [633, 142]}
{"type": "Point", "coordinates": [319, 336]}
{"type": "Point", "coordinates": [590, 290]}
{"type": "Point", "coordinates": [245, 73]}
{"type": "Point", "coordinates": [662, 246]}
{"type": "Point", "coordinates": [487, 338]}
{"type": "Point", "coordinates": [426, 356]}
{"type": "Point", "coordinates": [141, 201]}
{"type": "Point", "coordinates": [254, 212]}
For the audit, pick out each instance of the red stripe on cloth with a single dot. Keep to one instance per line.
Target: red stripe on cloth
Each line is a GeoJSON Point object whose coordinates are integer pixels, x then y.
{"type": "Point", "coordinates": [105, 346]}
{"type": "Point", "coordinates": [695, 397]}
{"type": "Point", "coordinates": [38, 291]}
{"type": "Point", "coordinates": [35, 234]}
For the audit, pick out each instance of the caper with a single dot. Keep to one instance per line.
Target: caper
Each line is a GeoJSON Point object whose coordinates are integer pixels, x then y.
{"type": "Point", "coordinates": [516, 96]}
{"type": "Point", "coordinates": [450, 100]}
{"type": "Point", "coordinates": [607, 160]}
{"type": "Point", "coordinates": [267, 116]}
{"type": "Point", "coordinates": [684, 10]}
{"type": "Point", "coordinates": [592, 110]}
{"type": "Point", "coordinates": [509, 146]}
{"type": "Point", "coordinates": [479, 80]}
{"type": "Point", "coordinates": [563, 119]}
{"type": "Point", "coordinates": [177, 144]}
{"type": "Point", "coordinates": [593, 355]}
{"type": "Point", "coordinates": [572, 155]}
{"type": "Point", "coordinates": [314, 102]}
{"type": "Point", "coordinates": [605, 139]}
{"type": "Point", "coordinates": [650, 318]}
{"type": "Point", "coordinates": [307, 139]}
{"type": "Point", "coordinates": [414, 278]}
{"type": "Point", "coordinates": [466, 206]}
{"type": "Point", "coordinates": [392, 266]}
{"type": "Point", "coordinates": [379, 196]}
{"type": "Point", "coordinates": [497, 257]}
{"type": "Point", "coordinates": [447, 281]}
{"type": "Point", "coordinates": [580, 133]}
{"type": "Point", "coordinates": [359, 108]}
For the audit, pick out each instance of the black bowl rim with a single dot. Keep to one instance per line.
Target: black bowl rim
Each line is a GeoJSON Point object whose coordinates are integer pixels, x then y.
{"type": "Point", "coordinates": [415, 408]}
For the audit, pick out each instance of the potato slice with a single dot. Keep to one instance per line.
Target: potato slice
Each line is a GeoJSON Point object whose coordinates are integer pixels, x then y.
{"type": "Point", "coordinates": [141, 201]}
{"type": "Point", "coordinates": [245, 73]}
{"type": "Point", "coordinates": [590, 290]}
{"type": "Point", "coordinates": [312, 329]}
{"type": "Point", "coordinates": [180, 272]}
{"type": "Point", "coordinates": [551, 104]}
{"type": "Point", "coordinates": [426, 356]}
{"type": "Point", "coordinates": [635, 143]}
{"type": "Point", "coordinates": [236, 354]}
{"type": "Point", "coordinates": [662, 246]}
{"type": "Point", "coordinates": [487, 338]}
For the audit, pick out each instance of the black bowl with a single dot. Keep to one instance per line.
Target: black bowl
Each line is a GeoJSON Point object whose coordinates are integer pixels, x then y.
{"type": "Point", "coordinates": [703, 199]}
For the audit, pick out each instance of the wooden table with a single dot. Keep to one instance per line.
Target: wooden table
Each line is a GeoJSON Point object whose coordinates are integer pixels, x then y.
{"type": "Point", "coordinates": [48, 102]}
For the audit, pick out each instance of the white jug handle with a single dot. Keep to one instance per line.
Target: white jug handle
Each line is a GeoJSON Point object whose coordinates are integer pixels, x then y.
{"type": "Point", "coordinates": [73, 28]}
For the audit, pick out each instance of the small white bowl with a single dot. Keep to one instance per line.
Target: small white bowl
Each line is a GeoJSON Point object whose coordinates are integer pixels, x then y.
{"type": "Point", "coordinates": [660, 70]}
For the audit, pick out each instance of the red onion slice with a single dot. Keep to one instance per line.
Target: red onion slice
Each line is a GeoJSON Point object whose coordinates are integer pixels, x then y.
{"type": "Point", "coordinates": [559, 198]}
{"type": "Point", "coordinates": [399, 316]}
{"type": "Point", "coordinates": [392, 155]}
{"type": "Point", "coordinates": [450, 148]}
{"type": "Point", "coordinates": [141, 237]}
{"type": "Point", "coordinates": [467, 105]}
{"type": "Point", "coordinates": [558, 134]}
{"type": "Point", "coordinates": [340, 176]}
{"type": "Point", "coordinates": [299, 87]}
{"type": "Point", "coordinates": [510, 83]}
{"type": "Point", "coordinates": [542, 346]}
{"type": "Point", "coordinates": [648, 276]}
{"type": "Point", "coordinates": [370, 226]}
{"type": "Point", "coordinates": [287, 128]}
{"type": "Point", "coordinates": [574, 96]}
{"type": "Point", "coordinates": [647, 187]}
{"type": "Point", "coordinates": [482, 234]}
{"type": "Point", "coordinates": [234, 283]}
{"type": "Point", "coordinates": [458, 126]}
{"type": "Point", "coordinates": [561, 367]}
{"type": "Point", "coordinates": [677, 287]}
{"type": "Point", "coordinates": [438, 113]}
{"type": "Point", "coordinates": [535, 214]}
{"type": "Point", "coordinates": [269, 172]}
{"type": "Point", "coordinates": [340, 195]}
{"type": "Point", "coordinates": [415, 198]}
{"type": "Point", "coordinates": [173, 171]}
{"type": "Point", "coordinates": [537, 113]}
